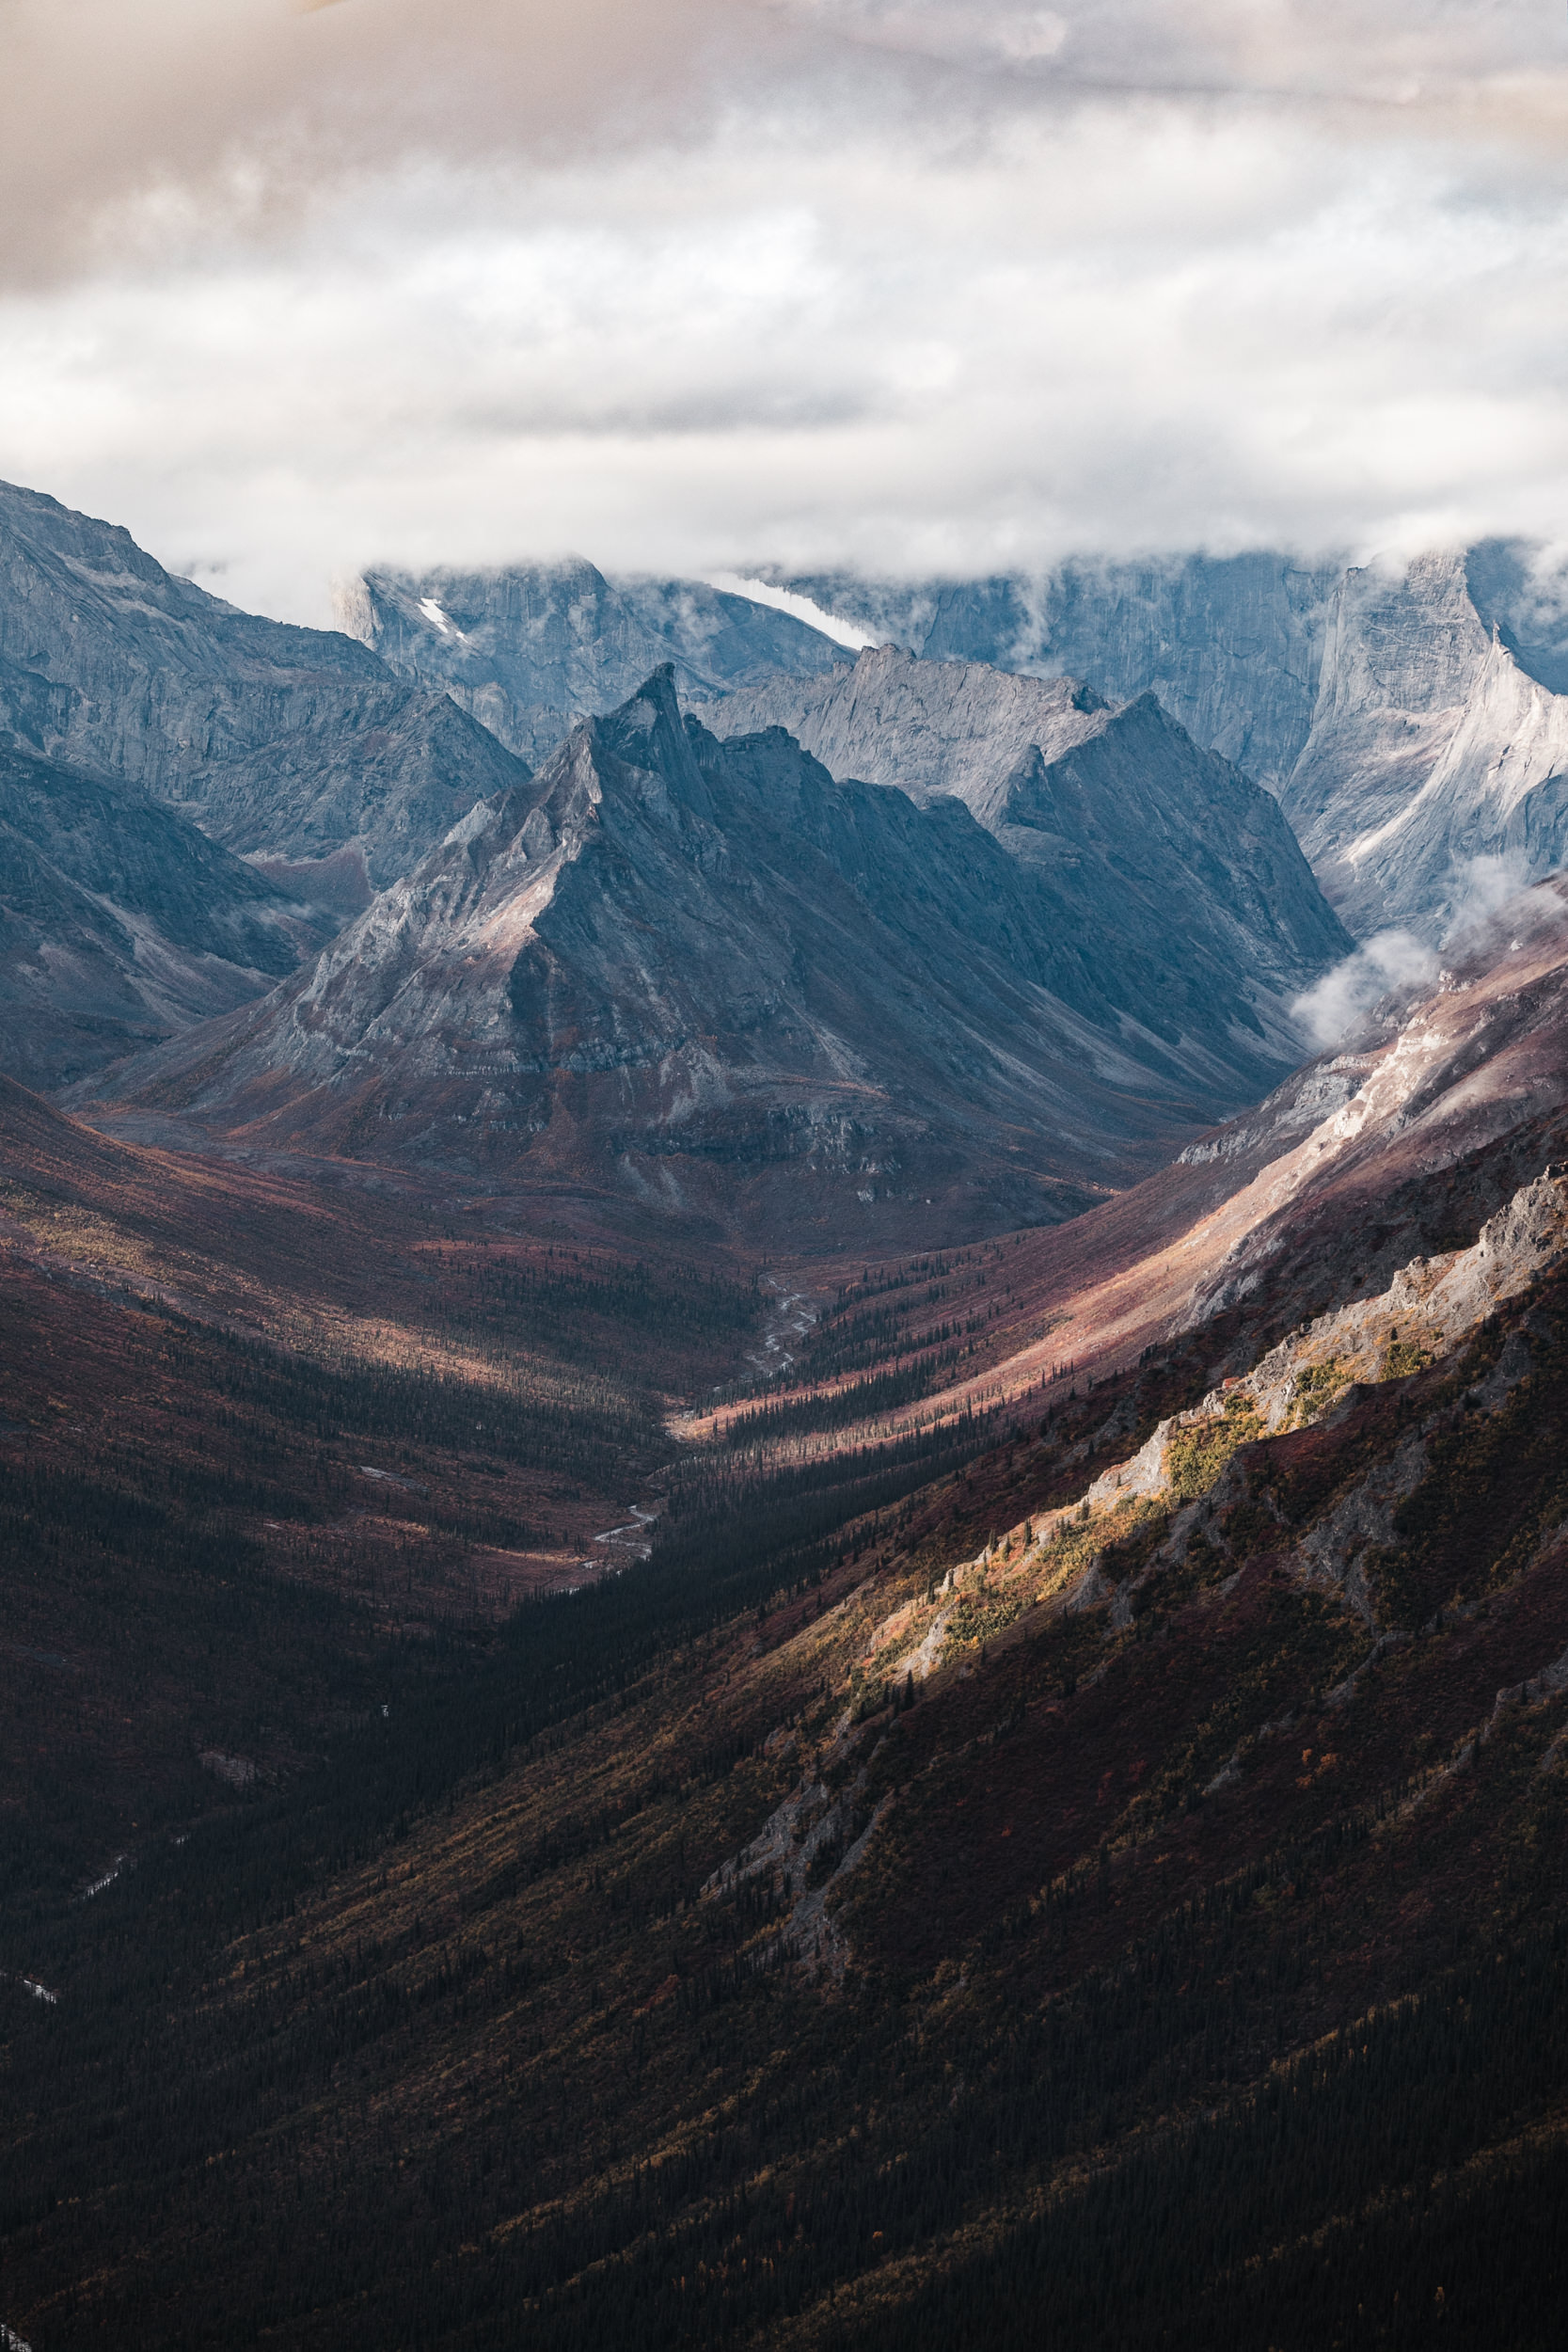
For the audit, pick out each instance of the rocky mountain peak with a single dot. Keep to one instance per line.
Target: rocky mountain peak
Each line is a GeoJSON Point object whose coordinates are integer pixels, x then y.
{"type": "Point", "coordinates": [294, 747]}
{"type": "Point", "coordinates": [704, 974]}
{"type": "Point", "coordinates": [1436, 771]}
{"type": "Point", "coordinates": [1134, 829]}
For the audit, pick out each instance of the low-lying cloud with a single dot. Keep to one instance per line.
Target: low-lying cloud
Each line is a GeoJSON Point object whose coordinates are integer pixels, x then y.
{"type": "Point", "coordinates": [1338, 1003]}
{"type": "Point", "coordinates": [709, 284]}
{"type": "Point", "coordinates": [1495, 909]}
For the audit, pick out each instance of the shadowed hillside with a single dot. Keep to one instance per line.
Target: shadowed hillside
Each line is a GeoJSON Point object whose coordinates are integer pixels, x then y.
{"type": "Point", "coordinates": [1091, 1862]}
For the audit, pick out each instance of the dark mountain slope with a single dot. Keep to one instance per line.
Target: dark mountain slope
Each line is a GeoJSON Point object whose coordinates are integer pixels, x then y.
{"type": "Point", "coordinates": [1137, 833]}
{"type": "Point", "coordinates": [710, 974]}
{"type": "Point", "coordinates": [280, 742]}
{"type": "Point", "coordinates": [119, 922]}
{"type": "Point", "coordinates": [1232, 645]}
{"type": "Point", "coordinates": [1107, 1884]}
{"type": "Point", "coordinates": [530, 648]}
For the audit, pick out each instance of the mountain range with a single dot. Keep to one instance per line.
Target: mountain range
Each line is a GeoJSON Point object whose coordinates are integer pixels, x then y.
{"type": "Point", "coordinates": [1135, 832]}
{"type": "Point", "coordinates": [1409, 714]}
{"type": "Point", "coordinates": [1232, 645]}
{"type": "Point", "coordinates": [528, 649]}
{"type": "Point", "coordinates": [294, 748]}
{"type": "Point", "coordinates": [760, 1587]}
{"type": "Point", "coordinates": [707, 974]}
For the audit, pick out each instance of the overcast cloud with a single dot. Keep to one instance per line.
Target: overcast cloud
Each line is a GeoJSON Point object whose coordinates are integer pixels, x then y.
{"type": "Point", "coordinates": [700, 284]}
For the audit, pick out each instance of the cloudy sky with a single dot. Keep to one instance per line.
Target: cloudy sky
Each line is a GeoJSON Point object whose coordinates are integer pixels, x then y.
{"type": "Point", "coordinates": [690, 285]}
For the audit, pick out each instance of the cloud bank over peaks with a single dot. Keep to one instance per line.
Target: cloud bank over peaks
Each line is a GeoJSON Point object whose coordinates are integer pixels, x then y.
{"type": "Point", "coordinates": [710, 284]}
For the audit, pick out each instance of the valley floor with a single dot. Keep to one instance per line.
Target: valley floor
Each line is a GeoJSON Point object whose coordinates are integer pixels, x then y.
{"type": "Point", "coordinates": [942, 1896]}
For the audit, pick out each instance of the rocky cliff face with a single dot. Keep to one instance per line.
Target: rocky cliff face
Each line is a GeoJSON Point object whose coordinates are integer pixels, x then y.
{"type": "Point", "coordinates": [533, 647]}
{"type": "Point", "coordinates": [1231, 646]}
{"type": "Point", "coordinates": [1437, 764]}
{"type": "Point", "coordinates": [286, 743]}
{"type": "Point", "coordinates": [119, 922]}
{"type": "Point", "coordinates": [1411, 719]}
{"type": "Point", "coordinates": [706, 975]}
{"type": "Point", "coordinates": [1136, 836]}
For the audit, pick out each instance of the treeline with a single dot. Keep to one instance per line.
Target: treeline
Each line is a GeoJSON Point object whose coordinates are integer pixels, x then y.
{"type": "Point", "coordinates": [885, 1392]}
{"type": "Point", "coordinates": [735, 1529]}
{"type": "Point", "coordinates": [589, 1431]}
{"type": "Point", "coordinates": [558, 1307]}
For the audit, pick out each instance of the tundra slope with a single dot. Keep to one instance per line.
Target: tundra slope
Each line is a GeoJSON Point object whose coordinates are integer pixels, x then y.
{"type": "Point", "coordinates": [707, 976]}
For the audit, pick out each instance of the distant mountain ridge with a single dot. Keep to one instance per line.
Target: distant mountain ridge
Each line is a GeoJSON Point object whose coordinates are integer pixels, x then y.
{"type": "Point", "coordinates": [530, 648]}
{"type": "Point", "coordinates": [283, 743]}
{"type": "Point", "coordinates": [1134, 831]}
{"type": "Point", "coordinates": [1231, 644]}
{"type": "Point", "coordinates": [1411, 717]}
{"type": "Point", "coordinates": [706, 975]}
{"type": "Point", "coordinates": [119, 922]}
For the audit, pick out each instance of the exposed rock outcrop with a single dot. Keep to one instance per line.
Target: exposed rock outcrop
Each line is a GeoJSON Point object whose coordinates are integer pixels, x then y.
{"type": "Point", "coordinates": [288, 743]}
{"type": "Point", "coordinates": [530, 648]}
{"type": "Point", "coordinates": [1232, 645]}
{"type": "Point", "coordinates": [1437, 769]}
{"type": "Point", "coordinates": [708, 976]}
{"type": "Point", "coordinates": [1181, 1475]}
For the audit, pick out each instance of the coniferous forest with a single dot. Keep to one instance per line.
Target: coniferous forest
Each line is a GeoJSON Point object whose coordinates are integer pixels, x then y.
{"type": "Point", "coordinates": [1186, 1973]}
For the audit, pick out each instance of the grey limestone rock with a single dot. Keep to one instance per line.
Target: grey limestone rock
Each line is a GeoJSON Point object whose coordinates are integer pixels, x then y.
{"type": "Point", "coordinates": [706, 976]}
{"type": "Point", "coordinates": [1232, 645]}
{"type": "Point", "coordinates": [530, 648]}
{"type": "Point", "coordinates": [293, 744]}
{"type": "Point", "coordinates": [1436, 771]}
